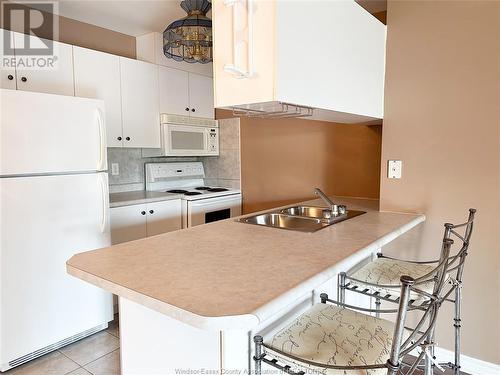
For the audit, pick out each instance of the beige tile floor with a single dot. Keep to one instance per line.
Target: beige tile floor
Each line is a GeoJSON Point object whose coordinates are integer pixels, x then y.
{"type": "Point", "coordinates": [98, 354]}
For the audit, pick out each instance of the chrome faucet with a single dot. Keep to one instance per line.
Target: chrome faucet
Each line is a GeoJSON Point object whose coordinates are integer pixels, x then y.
{"type": "Point", "coordinates": [335, 208]}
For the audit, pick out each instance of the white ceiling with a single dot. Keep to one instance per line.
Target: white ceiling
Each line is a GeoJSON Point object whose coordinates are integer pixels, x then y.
{"type": "Point", "coordinates": [139, 17]}
{"type": "Point", "coordinates": [132, 17]}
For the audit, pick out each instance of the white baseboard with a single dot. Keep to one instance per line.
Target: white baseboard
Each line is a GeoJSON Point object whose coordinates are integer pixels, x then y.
{"type": "Point", "coordinates": [468, 364]}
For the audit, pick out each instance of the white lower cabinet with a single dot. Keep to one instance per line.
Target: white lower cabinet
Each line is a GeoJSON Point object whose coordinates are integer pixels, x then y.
{"type": "Point", "coordinates": [130, 223]}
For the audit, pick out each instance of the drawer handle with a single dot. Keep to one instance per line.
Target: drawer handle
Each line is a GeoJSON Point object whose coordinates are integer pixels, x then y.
{"type": "Point", "coordinates": [10, 77]}
{"type": "Point", "coordinates": [187, 109]}
{"type": "Point", "coordinates": [143, 213]}
{"type": "Point", "coordinates": [151, 212]}
{"type": "Point", "coordinates": [127, 139]}
{"type": "Point", "coordinates": [24, 79]}
{"type": "Point", "coordinates": [119, 138]}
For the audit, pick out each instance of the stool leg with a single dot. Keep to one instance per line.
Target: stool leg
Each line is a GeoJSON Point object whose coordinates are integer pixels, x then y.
{"type": "Point", "coordinates": [429, 368]}
{"type": "Point", "coordinates": [258, 340]}
{"type": "Point", "coordinates": [457, 324]}
{"type": "Point", "coordinates": [341, 287]}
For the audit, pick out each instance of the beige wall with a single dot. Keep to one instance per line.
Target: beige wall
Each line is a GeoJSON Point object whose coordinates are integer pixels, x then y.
{"type": "Point", "coordinates": [89, 36]}
{"type": "Point", "coordinates": [442, 118]}
{"type": "Point", "coordinates": [282, 161]}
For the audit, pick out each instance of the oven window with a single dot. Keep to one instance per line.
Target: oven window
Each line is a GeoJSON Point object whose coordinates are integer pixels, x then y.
{"type": "Point", "coordinates": [182, 140]}
{"type": "Point", "coordinates": [217, 215]}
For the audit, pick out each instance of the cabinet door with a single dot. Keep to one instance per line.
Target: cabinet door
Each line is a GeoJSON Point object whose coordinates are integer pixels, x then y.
{"type": "Point", "coordinates": [8, 74]}
{"type": "Point", "coordinates": [53, 80]}
{"type": "Point", "coordinates": [174, 92]}
{"type": "Point", "coordinates": [140, 104]}
{"type": "Point", "coordinates": [164, 217]}
{"type": "Point", "coordinates": [201, 96]}
{"type": "Point", "coordinates": [128, 223]}
{"type": "Point", "coordinates": [97, 75]}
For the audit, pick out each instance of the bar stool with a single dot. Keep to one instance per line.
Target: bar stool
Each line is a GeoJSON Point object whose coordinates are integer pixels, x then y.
{"type": "Point", "coordinates": [379, 278]}
{"type": "Point", "coordinates": [333, 338]}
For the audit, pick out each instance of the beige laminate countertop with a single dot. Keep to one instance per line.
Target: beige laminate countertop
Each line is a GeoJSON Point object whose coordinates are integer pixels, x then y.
{"type": "Point", "coordinates": [231, 274]}
{"type": "Point", "coordinates": [129, 198]}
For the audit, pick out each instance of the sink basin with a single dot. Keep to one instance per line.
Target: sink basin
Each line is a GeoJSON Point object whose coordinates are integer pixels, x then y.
{"type": "Point", "coordinates": [282, 221]}
{"type": "Point", "coordinates": [299, 218]}
{"type": "Point", "coordinates": [308, 211]}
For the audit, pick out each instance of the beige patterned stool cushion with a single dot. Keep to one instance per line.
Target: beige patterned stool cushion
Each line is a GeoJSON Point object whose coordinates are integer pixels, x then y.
{"type": "Point", "coordinates": [333, 335]}
{"type": "Point", "coordinates": [389, 272]}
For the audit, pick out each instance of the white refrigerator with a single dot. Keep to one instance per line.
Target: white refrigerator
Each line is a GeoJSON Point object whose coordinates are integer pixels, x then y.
{"type": "Point", "coordinates": [54, 204]}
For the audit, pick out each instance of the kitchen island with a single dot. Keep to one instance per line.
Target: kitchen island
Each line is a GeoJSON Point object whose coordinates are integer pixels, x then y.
{"type": "Point", "coordinates": [191, 300]}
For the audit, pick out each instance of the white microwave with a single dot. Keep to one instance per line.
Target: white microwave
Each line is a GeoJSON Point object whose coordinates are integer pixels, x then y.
{"type": "Point", "coordinates": [187, 136]}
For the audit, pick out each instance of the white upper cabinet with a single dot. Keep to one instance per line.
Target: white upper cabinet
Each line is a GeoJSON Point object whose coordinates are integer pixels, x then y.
{"type": "Point", "coordinates": [97, 75]}
{"type": "Point", "coordinates": [140, 103]}
{"type": "Point", "coordinates": [328, 55]}
{"type": "Point", "coordinates": [174, 91]}
{"type": "Point", "coordinates": [8, 78]}
{"type": "Point", "coordinates": [53, 80]}
{"type": "Point", "coordinates": [187, 94]}
{"type": "Point", "coordinates": [201, 96]}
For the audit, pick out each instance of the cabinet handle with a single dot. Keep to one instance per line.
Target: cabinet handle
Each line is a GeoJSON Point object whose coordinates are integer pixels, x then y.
{"type": "Point", "coordinates": [127, 139]}
{"type": "Point", "coordinates": [143, 213]}
{"type": "Point", "coordinates": [187, 109]}
{"type": "Point", "coordinates": [10, 77]}
{"type": "Point", "coordinates": [24, 79]}
{"type": "Point", "coordinates": [193, 110]}
{"type": "Point", "coordinates": [119, 138]}
{"type": "Point", "coordinates": [151, 212]}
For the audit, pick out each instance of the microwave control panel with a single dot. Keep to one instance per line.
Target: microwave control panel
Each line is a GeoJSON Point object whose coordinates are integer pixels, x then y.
{"type": "Point", "coordinates": [213, 140]}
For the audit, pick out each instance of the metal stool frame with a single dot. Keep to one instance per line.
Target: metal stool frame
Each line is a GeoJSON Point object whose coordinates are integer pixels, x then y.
{"type": "Point", "coordinates": [456, 263]}
{"type": "Point", "coordinates": [419, 336]}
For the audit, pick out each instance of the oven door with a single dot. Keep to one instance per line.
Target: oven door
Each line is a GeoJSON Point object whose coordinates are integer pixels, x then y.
{"type": "Point", "coordinates": [189, 140]}
{"type": "Point", "coordinates": [204, 211]}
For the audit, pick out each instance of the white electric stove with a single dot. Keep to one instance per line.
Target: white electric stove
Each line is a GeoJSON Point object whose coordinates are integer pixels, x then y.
{"type": "Point", "coordinates": [201, 204]}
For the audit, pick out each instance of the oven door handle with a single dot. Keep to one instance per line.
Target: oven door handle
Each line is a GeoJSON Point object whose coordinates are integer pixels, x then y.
{"type": "Point", "coordinates": [215, 200]}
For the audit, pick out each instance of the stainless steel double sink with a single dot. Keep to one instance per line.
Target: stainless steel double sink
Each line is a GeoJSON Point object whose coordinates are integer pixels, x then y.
{"type": "Point", "coordinates": [300, 218]}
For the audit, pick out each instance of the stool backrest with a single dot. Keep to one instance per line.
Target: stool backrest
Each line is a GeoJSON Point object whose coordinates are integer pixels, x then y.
{"type": "Point", "coordinates": [457, 261]}
{"type": "Point", "coordinates": [426, 325]}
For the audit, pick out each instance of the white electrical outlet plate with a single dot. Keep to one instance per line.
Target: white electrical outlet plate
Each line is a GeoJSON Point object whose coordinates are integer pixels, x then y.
{"type": "Point", "coordinates": [115, 169]}
{"type": "Point", "coordinates": [394, 169]}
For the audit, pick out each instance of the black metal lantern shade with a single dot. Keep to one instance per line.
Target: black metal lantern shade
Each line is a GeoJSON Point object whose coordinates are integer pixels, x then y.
{"type": "Point", "coordinates": [190, 38]}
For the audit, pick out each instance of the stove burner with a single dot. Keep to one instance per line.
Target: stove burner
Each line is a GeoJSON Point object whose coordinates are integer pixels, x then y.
{"type": "Point", "coordinates": [177, 191]}
{"type": "Point", "coordinates": [192, 193]}
{"type": "Point", "coordinates": [202, 188]}
{"type": "Point", "coordinates": [217, 190]}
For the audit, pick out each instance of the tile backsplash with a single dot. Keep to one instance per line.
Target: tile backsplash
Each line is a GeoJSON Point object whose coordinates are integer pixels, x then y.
{"type": "Point", "coordinates": [223, 170]}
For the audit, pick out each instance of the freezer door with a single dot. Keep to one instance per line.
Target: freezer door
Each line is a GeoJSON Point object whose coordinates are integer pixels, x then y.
{"type": "Point", "coordinates": [45, 133]}
{"type": "Point", "coordinates": [44, 221]}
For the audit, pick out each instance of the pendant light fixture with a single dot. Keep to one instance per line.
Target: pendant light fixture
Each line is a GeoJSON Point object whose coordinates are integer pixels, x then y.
{"type": "Point", "coordinates": [190, 38]}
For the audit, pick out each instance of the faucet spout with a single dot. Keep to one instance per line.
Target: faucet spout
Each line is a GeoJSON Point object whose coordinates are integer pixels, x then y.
{"type": "Point", "coordinates": [334, 207]}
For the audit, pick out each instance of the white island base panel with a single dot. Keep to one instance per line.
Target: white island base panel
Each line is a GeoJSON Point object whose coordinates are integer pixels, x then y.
{"type": "Point", "coordinates": [155, 344]}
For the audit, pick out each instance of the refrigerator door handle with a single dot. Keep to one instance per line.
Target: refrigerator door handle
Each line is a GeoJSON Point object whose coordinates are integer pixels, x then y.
{"type": "Point", "coordinates": [102, 141]}
{"type": "Point", "coordinates": [104, 208]}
